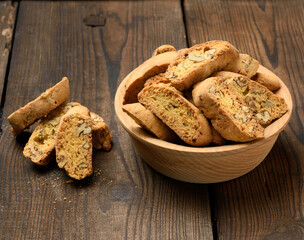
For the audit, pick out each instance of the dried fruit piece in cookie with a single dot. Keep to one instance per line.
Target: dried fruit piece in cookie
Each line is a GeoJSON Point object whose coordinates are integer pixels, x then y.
{"type": "Point", "coordinates": [41, 145]}
{"type": "Point", "coordinates": [74, 143]}
{"type": "Point", "coordinates": [149, 121]}
{"type": "Point", "coordinates": [232, 120]}
{"type": "Point", "coordinates": [101, 134]}
{"type": "Point", "coordinates": [199, 62]}
{"type": "Point", "coordinates": [272, 82]}
{"type": "Point", "coordinates": [162, 49]}
{"type": "Point", "coordinates": [151, 67]}
{"type": "Point", "coordinates": [244, 64]}
{"type": "Point", "coordinates": [177, 113]}
{"type": "Point", "coordinates": [41, 106]}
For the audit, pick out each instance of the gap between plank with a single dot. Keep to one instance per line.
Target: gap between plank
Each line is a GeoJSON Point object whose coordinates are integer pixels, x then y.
{"type": "Point", "coordinates": [211, 196]}
{"type": "Point", "coordinates": [16, 3]}
{"type": "Point", "coordinates": [184, 21]}
{"type": "Point", "coordinates": [210, 188]}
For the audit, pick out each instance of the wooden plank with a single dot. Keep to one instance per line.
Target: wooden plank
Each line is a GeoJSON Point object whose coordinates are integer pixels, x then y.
{"type": "Point", "coordinates": [125, 198]}
{"type": "Point", "coordinates": [7, 21]}
{"type": "Point", "coordinates": [268, 202]}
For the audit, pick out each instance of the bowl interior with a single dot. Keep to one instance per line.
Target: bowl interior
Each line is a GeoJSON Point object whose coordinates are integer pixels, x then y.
{"type": "Point", "coordinates": [132, 128]}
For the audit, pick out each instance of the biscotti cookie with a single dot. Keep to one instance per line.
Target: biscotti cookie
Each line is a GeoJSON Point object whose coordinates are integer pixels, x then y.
{"type": "Point", "coordinates": [272, 82]}
{"type": "Point", "coordinates": [101, 135]}
{"type": "Point", "coordinates": [177, 113]}
{"type": "Point", "coordinates": [217, 139]}
{"type": "Point", "coordinates": [147, 120]}
{"type": "Point", "coordinates": [151, 67]}
{"type": "Point", "coordinates": [41, 106]}
{"type": "Point", "coordinates": [74, 143]}
{"type": "Point", "coordinates": [229, 117]}
{"type": "Point", "coordinates": [41, 145]}
{"type": "Point", "coordinates": [264, 104]}
{"type": "Point", "coordinates": [159, 78]}
{"type": "Point", "coordinates": [244, 64]}
{"type": "Point", "coordinates": [199, 62]}
{"type": "Point", "coordinates": [162, 49]}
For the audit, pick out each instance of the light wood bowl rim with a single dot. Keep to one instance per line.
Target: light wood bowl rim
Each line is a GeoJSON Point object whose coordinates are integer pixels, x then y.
{"type": "Point", "coordinates": [136, 131]}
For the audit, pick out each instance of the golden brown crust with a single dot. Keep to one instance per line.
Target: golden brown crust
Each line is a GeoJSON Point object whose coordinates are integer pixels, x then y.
{"type": "Point", "coordinates": [222, 108]}
{"type": "Point", "coordinates": [162, 49]}
{"type": "Point", "coordinates": [41, 106]}
{"type": "Point", "coordinates": [101, 135]}
{"type": "Point", "coordinates": [270, 81]}
{"type": "Point", "coordinates": [237, 106]}
{"type": "Point", "coordinates": [244, 64]}
{"type": "Point", "coordinates": [151, 67]}
{"type": "Point", "coordinates": [265, 105]}
{"type": "Point", "coordinates": [217, 139]}
{"type": "Point", "coordinates": [74, 143]}
{"type": "Point", "coordinates": [149, 121]}
{"type": "Point", "coordinates": [159, 78]}
{"type": "Point", "coordinates": [41, 145]}
{"type": "Point", "coordinates": [177, 113]}
{"type": "Point", "coordinates": [199, 62]}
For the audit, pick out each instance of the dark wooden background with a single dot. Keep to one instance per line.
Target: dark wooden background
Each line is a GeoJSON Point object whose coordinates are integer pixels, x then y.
{"type": "Point", "coordinates": [42, 41]}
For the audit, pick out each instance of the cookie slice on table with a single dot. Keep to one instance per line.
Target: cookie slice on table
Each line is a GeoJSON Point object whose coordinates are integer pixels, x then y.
{"type": "Point", "coordinates": [151, 67]}
{"type": "Point", "coordinates": [41, 106]}
{"type": "Point", "coordinates": [162, 49]}
{"type": "Point", "coordinates": [199, 62]}
{"type": "Point", "coordinates": [147, 120]}
{"type": "Point", "coordinates": [244, 64]}
{"type": "Point", "coordinates": [263, 104]}
{"type": "Point", "coordinates": [41, 145]}
{"type": "Point", "coordinates": [229, 117]}
{"type": "Point", "coordinates": [272, 82]}
{"type": "Point", "coordinates": [178, 113]}
{"type": "Point", "coordinates": [101, 135]}
{"type": "Point", "coordinates": [74, 143]}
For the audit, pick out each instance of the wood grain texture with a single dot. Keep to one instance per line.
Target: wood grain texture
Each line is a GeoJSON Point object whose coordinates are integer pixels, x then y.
{"type": "Point", "coordinates": [124, 199]}
{"type": "Point", "coordinates": [267, 203]}
{"type": "Point", "coordinates": [7, 22]}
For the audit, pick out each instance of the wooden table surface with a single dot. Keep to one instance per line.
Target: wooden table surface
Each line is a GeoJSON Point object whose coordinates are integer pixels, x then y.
{"type": "Point", "coordinates": [42, 41]}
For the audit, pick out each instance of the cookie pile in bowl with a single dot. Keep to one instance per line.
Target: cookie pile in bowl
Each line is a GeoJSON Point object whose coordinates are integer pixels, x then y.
{"type": "Point", "coordinates": [203, 114]}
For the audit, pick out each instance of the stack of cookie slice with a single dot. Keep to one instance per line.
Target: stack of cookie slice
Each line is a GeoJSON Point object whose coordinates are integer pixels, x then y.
{"type": "Point", "coordinates": [203, 95]}
{"type": "Point", "coordinates": [66, 128]}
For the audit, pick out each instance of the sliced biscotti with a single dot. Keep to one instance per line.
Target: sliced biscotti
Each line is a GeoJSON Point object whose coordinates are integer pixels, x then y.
{"type": "Point", "coordinates": [41, 144]}
{"type": "Point", "coordinates": [159, 78]}
{"type": "Point", "coordinates": [74, 143]}
{"type": "Point", "coordinates": [244, 64]}
{"type": "Point", "coordinates": [101, 135]}
{"type": "Point", "coordinates": [147, 120]}
{"type": "Point", "coordinates": [162, 49]}
{"type": "Point", "coordinates": [199, 62]}
{"type": "Point", "coordinates": [263, 104]}
{"type": "Point", "coordinates": [272, 82]}
{"type": "Point", "coordinates": [177, 113]}
{"type": "Point", "coordinates": [229, 117]}
{"type": "Point", "coordinates": [217, 139]}
{"type": "Point", "coordinates": [151, 67]}
{"type": "Point", "coordinates": [41, 106]}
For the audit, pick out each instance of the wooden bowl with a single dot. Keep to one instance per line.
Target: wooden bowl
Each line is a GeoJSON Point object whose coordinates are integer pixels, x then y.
{"type": "Point", "coordinates": [202, 164]}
